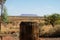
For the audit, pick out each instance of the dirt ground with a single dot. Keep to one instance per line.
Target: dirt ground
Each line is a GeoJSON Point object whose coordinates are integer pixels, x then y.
{"type": "Point", "coordinates": [10, 37]}
{"type": "Point", "coordinates": [49, 38]}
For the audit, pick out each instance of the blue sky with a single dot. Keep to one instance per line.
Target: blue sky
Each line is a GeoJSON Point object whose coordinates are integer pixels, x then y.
{"type": "Point", "coordinates": [39, 7]}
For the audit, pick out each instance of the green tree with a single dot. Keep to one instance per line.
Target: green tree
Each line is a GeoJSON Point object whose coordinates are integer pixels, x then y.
{"type": "Point", "coordinates": [5, 16]}
{"type": "Point", "coordinates": [51, 19]}
{"type": "Point", "coordinates": [2, 6]}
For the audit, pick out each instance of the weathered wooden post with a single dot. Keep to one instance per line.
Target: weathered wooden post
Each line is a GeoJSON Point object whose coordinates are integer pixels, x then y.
{"type": "Point", "coordinates": [28, 31]}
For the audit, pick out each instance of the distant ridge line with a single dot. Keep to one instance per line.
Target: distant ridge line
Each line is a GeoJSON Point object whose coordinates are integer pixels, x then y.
{"type": "Point", "coordinates": [28, 15]}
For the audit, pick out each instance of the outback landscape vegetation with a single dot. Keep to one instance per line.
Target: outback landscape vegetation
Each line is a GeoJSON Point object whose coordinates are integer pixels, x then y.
{"type": "Point", "coordinates": [28, 27]}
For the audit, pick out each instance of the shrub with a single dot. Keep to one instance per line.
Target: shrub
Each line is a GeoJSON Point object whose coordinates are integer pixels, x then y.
{"type": "Point", "coordinates": [57, 30]}
{"type": "Point", "coordinates": [47, 31]}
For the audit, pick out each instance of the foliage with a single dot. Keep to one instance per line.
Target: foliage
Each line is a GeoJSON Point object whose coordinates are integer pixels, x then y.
{"type": "Point", "coordinates": [51, 19]}
{"type": "Point", "coordinates": [46, 31]}
{"type": "Point", "coordinates": [57, 22]}
{"type": "Point", "coordinates": [4, 1]}
{"type": "Point", "coordinates": [41, 24]}
{"type": "Point", "coordinates": [5, 16]}
{"type": "Point", "coordinates": [49, 31]}
{"type": "Point", "coordinates": [57, 28]}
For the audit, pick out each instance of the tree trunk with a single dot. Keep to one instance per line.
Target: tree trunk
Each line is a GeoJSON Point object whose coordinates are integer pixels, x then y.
{"type": "Point", "coordinates": [1, 16]}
